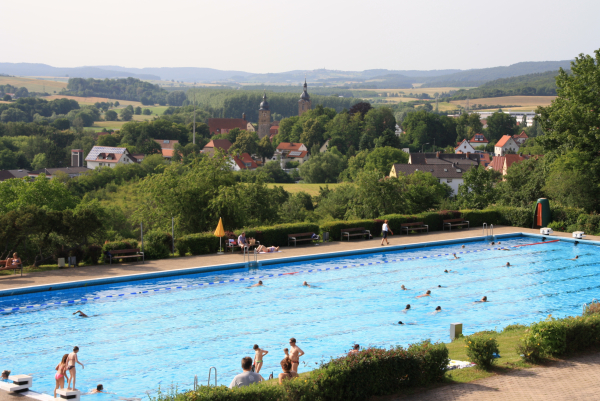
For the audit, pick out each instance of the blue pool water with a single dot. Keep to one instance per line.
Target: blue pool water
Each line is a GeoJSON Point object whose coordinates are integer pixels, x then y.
{"type": "Point", "coordinates": [135, 343]}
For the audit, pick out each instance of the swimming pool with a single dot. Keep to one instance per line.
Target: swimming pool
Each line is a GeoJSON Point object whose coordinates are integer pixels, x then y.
{"type": "Point", "coordinates": [152, 336]}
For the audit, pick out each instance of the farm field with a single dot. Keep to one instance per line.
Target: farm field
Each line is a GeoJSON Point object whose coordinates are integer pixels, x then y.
{"type": "Point", "coordinates": [92, 100]}
{"type": "Point", "coordinates": [416, 91]}
{"type": "Point", "coordinates": [33, 85]}
{"type": "Point", "coordinates": [525, 103]}
{"type": "Point", "coordinates": [117, 125]}
{"type": "Point", "coordinates": [311, 189]}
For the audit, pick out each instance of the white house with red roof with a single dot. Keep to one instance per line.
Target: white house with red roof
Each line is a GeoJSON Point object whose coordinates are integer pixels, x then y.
{"type": "Point", "coordinates": [506, 144]}
{"type": "Point", "coordinates": [291, 151]}
{"type": "Point", "coordinates": [243, 162]}
{"type": "Point", "coordinates": [223, 144]}
{"type": "Point", "coordinates": [521, 138]}
{"type": "Point", "coordinates": [478, 140]}
{"type": "Point", "coordinates": [106, 156]}
{"type": "Point", "coordinates": [464, 147]}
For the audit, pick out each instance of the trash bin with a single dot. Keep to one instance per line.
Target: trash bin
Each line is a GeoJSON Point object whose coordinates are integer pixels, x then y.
{"type": "Point", "coordinates": [72, 261]}
{"type": "Point", "coordinates": [61, 262]}
{"type": "Point", "coordinates": [325, 237]}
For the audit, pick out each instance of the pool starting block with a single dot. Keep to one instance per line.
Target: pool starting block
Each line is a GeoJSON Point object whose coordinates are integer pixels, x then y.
{"type": "Point", "coordinates": [20, 383]}
{"type": "Point", "coordinates": [578, 234]}
{"type": "Point", "coordinates": [546, 231]}
{"type": "Point", "coordinates": [69, 394]}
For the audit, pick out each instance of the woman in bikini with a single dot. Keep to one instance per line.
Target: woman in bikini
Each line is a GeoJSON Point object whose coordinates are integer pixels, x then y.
{"type": "Point", "coordinates": [286, 366]}
{"type": "Point", "coordinates": [267, 249]}
{"type": "Point", "coordinates": [61, 372]}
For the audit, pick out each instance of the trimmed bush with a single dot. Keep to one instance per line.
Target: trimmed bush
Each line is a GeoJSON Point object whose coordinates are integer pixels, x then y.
{"type": "Point", "coordinates": [157, 245]}
{"type": "Point", "coordinates": [334, 228]}
{"type": "Point", "coordinates": [198, 244]}
{"type": "Point", "coordinates": [476, 218]}
{"type": "Point", "coordinates": [590, 223]}
{"type": "Point", "coordinates": [569, 215]}
{"type": "Point", "coordinates": [277, 235]}
{"type": "Point", "coordinates": [92, 254]}
{"type": "Point", "coordinates": [481, 349]}
{"type": "Point", "coordinates": [516, 216]}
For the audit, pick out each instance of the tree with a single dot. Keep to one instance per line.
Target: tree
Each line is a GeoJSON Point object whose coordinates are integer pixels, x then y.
{"type": "Point", "coordinates": [362, 108]}
{"type": "Point", "coordinates": [110, 115]}
{"type": "Point", "coordinates": [323, 167]}
{"type": "Point", "coordinates": [265, 148]}
{"type": "Point", "coordinates": [382, 159]}
{"type": "Point", "coordinates": [176, 98]}
{"type": "Point", "coordinates": [137, 111]}
{"type": "Point", "coordinates": [13, 115]}
{"type": "Point", "coordinates": [117, 104]}
{"type": "Point", "coordinates": [246, 142]}
{"type": "Point", "coordinates": [108, 140]}
{"type": "Point", "coordinates": [61, 124]}
{"type": "Point", "coordinates": [388, 138]}
{"type": "Point", "coordinates": [126, 114]}
{"type": "Point", "coordinates": [422, 127]}
{"type": "Point", "coordinates": [7, 98]}
{"type": "Point", "coordinates": [478, 190]}
{"type": "Point", "coordinates": [467, 125]}
{"type": "Point", "coordinates": [523, 183]}
{"type": "Point", "coordinates": [147, 112]}
{"type": "Point", "coordinates": [500, 124]}
{"type": "Point", "coordinates": [312, 134]}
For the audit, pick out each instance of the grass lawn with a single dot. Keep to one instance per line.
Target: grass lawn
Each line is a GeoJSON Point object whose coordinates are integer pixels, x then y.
{"type": "Point", "coordinates": [311, 189]}
{"type": "Point", "coordinates": [34, 85]}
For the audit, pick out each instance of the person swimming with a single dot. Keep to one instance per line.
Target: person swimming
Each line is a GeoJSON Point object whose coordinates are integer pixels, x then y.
{"type": "Point", "coordinates": [576, 243]}
{"type": "Point", "coordinates": [427, 294]}
{"type": "Point", "coordinates": [407, 308]}
{"type": "Point", "coordinates": [81, 314]}
{"type": "Point", "coordinates": [400, 322]}
{"type": "Point", "coordinates": [455, 257]}
{"type": "Point", "coordinates": [260, 283]}
{"type": "Point", "coordinates": [305, 284]}
{"type": "Point", "coordinates": [484, 299]}
{"type": "Point", "coordinates": [462, 246]}
{"type": "Point", "coordinates": [543, 239]}
{"type": "Point", "coordinates": [493, 243]}
{"type": "Point", "coordinates": [575, 258]}
{"type": "Point", "coordinates": [403, 288]}
{"type": "Point", "coordinates": [438, 309]}
{"type": "Point", "coordinates": [507, 264]}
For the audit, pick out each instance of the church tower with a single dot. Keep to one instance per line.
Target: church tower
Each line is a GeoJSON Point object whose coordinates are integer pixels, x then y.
{"type": "Point", "coordinates": [304, 102]}
{"type": "Point", "coordinates": [264, 118]}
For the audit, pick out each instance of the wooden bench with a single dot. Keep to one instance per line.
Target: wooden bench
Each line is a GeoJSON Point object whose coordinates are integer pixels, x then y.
{"type": "Point", "coordinates": [356, 232]}
{"type": "Point", "coordinates": [455, 223]}
{"type": "Point", "coordinates": [418, 226]}
{"type": "Point", "coordinates": [119, 254]}
{"type": "Point", "coordinates": [300, 237]}
{"type": "Point", "coordinates": [3, 266]}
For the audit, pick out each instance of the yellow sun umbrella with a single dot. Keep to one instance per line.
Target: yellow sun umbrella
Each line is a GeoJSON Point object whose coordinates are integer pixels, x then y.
{"type": "Point", "coordinates": [220, 232]}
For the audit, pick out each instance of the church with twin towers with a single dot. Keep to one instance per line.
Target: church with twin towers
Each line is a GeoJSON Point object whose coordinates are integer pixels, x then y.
{"type": "Point", "coordinates": [264, 113]}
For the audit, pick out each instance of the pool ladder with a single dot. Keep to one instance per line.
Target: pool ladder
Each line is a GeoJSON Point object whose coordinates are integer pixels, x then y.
{"type": "Point", "coordinates": [248, 255]}
{"type": "Point", "coordinates": [208, 383]}
{"type": "Point", "coordinates": [488, 230]}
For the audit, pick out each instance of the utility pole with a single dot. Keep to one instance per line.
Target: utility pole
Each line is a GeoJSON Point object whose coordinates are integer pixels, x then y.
{"type": "Point", "coordinates": [194, 134]}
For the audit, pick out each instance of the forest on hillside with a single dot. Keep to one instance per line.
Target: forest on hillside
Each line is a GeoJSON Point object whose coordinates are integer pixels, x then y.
{"type": "Point", "coordinates": [540, 84]}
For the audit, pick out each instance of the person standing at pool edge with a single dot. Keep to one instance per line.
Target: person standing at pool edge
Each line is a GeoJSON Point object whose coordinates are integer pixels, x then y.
{"type": "Point", "coordinates": [258, 357]}
{"type": "Point", "coordinates": [71, 361]}
{"type": "Point", "coordinates": [385, 228]}
{"type": "Point", "coordinates": [61, 372]}
{"type": "Point", "coordinates": [295, 354]}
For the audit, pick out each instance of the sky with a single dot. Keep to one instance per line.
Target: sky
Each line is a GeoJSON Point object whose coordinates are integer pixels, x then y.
{"type": "Point", "coordinates": [264, 36]}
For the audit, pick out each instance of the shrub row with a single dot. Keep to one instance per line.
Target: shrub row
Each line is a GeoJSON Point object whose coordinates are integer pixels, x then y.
{"type": "Point", "coordinates": [198, 244]}
{"type": "Point", "coordinates": [555, 337]}
{"type": "Point", "coordinates": [334, 228]}
{"type": "Point", "coordinates": [371, 372]}
{"type": "Point", "coordinates": [277, 235]}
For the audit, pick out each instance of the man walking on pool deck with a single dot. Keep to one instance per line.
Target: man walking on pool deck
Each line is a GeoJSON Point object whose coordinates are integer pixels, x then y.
{"type": "Point", "coordinates": [295, 354]}
{"type": "Point", "coordinates": [71, 361]}
{"type": "Point", "coordinates": [384, 230]}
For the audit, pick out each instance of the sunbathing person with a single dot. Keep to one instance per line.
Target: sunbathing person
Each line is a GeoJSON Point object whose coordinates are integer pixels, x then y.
{"type": "Point", "coordinates": [267, 249]}
{"type": "Point", "coordinates": [427, 294]}
{"type": "Point", "coordinates": [257, 284]}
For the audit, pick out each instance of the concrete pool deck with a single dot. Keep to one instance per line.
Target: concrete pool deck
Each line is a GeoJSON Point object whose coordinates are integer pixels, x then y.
{"type": "Point", "coordinates": [52, 277]}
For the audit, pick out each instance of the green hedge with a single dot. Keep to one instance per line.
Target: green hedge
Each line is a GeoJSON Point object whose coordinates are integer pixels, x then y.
{"type": "Point", "coordinates": [371, 372]}
{"type": "Point", "coordinates": [334, 228]}
{"type": "Point", "coordinates": [198, 244]}
{"type": "Point", "coordinates": [476, 218]}
{"type": "Point", "coordinates": [569, 215]}
{"type": "Point", "coordinates": [277, 235]}
{"type": "Point", "coordinates": [556, 337]}
{"type": "Point", "coordinates": [590, 223]}
{"type": "Point", "coordinates": [435, 220]}
{"type": "Point", "coordinates": [516, 216]}
{"type": "Point", "coordinates": [157, 245]}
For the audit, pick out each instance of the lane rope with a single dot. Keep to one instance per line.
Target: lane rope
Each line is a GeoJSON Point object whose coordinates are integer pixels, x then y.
{"type": "Point", "coordinates": [259, 277]}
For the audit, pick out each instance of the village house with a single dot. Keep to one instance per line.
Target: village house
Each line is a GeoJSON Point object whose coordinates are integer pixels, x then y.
{"type": "Point", "coordinates": [8, 174]}
{"type": "Point", "coordinates": [505, 145]}
{"type": "Point", "coordinates": [167, 147]}
{"type": "Point", "coordinates": [451, 174]}
{"type": "Point", "coordinates": [106, 156]}
{"type": "Point", "coordinates": [471, 159]}
{"type": "Point", "coordinates": [51, 172]}
{"type": "Point", "coordinates": [502, 163]}
{"type": "Point", "coordinates": [478, 140]}
{"type": "Point", "coordinates": [521, 138]}
{"type": "Point", "coordinates": [217, 126]}
{"type": "Point", "coordinates": [243, 162]}
{"type": "Point", "coordinates": [222, 144]}
{"type": "Point", "coordinates": [464, 147]}
{"type": "Point", "coordinates": [288, 151]}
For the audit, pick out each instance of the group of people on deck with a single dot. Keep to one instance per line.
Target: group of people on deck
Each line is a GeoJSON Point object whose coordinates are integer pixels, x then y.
{"type": "Point", "coordinates": [243, 243]}
{"type": "Point", "coordinates": [251, 371]}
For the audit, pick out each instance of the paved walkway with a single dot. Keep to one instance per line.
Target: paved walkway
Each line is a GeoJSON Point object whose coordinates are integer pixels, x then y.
{"type": "Point", "coordinates": [569, 380]}
{"type": "Point", "coordinates": [93, 272]}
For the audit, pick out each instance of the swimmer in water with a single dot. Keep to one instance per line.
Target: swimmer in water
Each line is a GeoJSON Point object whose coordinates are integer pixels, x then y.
{"type": "Point", "coordinates": [455, 257]}
{"type": "Point", "coordinates": [499, 242]}
{"type": "Point", "coordinates": [403, 288]}
{"type": "Point", "coordinates": [306, 284]}
{"type": "Point", "coordinates": [543, 239]}
{"type": "Point", "coordinates": [507, 264]}
{"type": "Point", "coordinates": [427, 294]}
{"type": "Point", "coordinates": [462, 246]}
{"type": "Point", "coordinates": [260, 283]}
{"type": "Point", "coordinates": [407, 308]}
{"type": "Point", "coordinates": [576, 242]}
{"type": "Point", "coordinates": [81, 314]}
{"type": "Point", "coordinates": [438, 309]}
{"type": "Point", "coordinates": [484, 299]}
{"type": "Point", "coordinates": [575, 258]}
{"type": "Point", "coordinates": [446, 271]}
{"type": "Point", "coordinates": [400, 322]}
{"type": "Point", "coordinates": [493, 243]}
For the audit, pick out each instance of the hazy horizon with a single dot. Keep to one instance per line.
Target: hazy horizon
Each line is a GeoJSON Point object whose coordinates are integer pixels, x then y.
{"type": "Point", "coordinates": [271, 37]}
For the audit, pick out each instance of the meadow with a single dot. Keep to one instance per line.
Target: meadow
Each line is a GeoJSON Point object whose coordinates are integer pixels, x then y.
{"type": "Point", "coordinates": [311, 189]}
{"type": "Point", "coordinates": [93, 100]}
{"type": "Point", "coordinates": [34, 85]}
{"type": "Point", "coordinates": [525, 103]}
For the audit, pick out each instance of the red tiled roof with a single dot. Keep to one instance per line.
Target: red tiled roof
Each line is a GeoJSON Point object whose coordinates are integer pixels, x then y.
{"type": "Point", "coordinates": [503, 140]}
{"type": "Point", "coordinates": [479, 138]}
{"type": "Point", "coordinates": [246, 158]}
{"type": "Point", "coordinates": [498, 163]}
{"type": "Point", "coordinates": [219, 143]}
{"type": "Point", "coordinates": [510, 159]}
{"type": "Point", "coordinates": [484, 159]}
{"type": "Point", "coordinates": [274, 129]}
{"type": "Point", "coordinates": [289, 146]}
{"type": "Point", "coordinates": [521, 135]}
{"type": "Point", "coordinates": [166, 143]}
{"type": "Point", "coordinates": [217, 125]}
{"type": "Point", "coordinates": [168, 152]}
{"type": "Point", "coordinates": [299, 156]}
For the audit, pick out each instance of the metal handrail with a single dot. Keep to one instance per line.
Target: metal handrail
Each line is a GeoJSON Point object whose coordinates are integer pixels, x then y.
{"type": "Point", "coordinates": [492, 229]}
{"type": "Point", "coordinates": [209, 371]}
